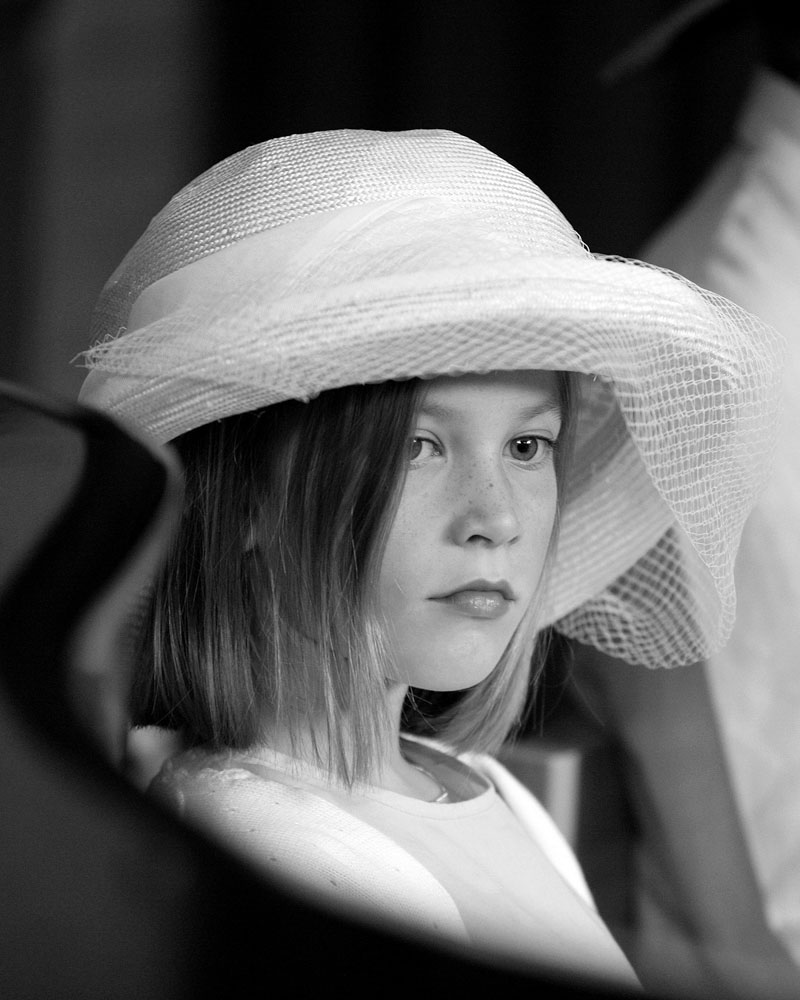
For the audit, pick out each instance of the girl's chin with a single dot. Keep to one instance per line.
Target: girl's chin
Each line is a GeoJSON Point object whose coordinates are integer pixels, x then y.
{"type": "Point", "coordinates": [443, 661]}
{"type": "Point", "coordinates": [437, 679]}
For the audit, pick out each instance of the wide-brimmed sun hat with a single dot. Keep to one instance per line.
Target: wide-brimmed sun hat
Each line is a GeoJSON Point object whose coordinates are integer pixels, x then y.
{"type": "Point", "coordinates": [322, 260]}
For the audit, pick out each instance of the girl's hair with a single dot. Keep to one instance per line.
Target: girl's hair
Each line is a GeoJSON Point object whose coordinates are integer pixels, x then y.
{"type": "Point", "coordinates": [265, 605]}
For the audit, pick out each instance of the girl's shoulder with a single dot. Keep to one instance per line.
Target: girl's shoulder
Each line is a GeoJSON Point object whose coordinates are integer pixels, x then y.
{"type": "Point", "coordinates": [534, 818]}
{"type": "Point", "coordinates": [264, 787]}
{"type": "Point", "coordinates": [520, 800]}
{"type": "Point", "coordinates": [253, 806]}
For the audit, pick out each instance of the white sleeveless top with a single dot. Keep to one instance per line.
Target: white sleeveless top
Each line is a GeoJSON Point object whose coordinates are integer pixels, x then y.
{"type": "Point", "coordinates": [492, 872]}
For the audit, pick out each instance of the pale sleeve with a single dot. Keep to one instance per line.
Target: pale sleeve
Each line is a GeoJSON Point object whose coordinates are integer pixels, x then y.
{"type": "Point", "coordinates": [311, 845]}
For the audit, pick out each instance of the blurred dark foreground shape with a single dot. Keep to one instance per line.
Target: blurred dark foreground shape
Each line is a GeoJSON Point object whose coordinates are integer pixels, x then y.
{"type": "Point", "coordinates": [104, 895]}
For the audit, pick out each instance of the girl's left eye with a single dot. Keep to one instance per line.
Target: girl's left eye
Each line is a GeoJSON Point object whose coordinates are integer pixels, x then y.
{"type": "Point", "coordinates": [420, 449]}
{"type": "Point", "coordinates": [528, 447]}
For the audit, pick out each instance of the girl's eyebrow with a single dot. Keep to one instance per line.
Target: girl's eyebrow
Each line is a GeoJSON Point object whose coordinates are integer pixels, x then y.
{"type": "Point", "coordinates": [549, 406]}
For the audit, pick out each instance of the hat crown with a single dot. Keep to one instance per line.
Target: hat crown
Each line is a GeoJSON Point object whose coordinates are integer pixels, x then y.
{"type": "Point", "coordinates": [283, 180]}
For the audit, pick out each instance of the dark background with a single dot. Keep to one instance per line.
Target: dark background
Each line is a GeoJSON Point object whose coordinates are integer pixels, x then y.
{"type": "Point", "coordinates": [109, 106]}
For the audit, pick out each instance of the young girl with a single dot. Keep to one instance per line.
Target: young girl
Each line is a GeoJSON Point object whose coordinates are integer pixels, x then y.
{"type": "Point", "coordinates": [420, 424]}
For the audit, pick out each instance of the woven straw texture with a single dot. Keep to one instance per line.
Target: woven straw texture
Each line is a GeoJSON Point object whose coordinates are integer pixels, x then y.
{"type": "Point", "coordinates": [329, 259]}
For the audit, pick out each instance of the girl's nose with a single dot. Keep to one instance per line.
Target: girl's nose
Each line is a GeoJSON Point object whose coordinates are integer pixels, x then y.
{"type": "Point", "coordinates": [484, 512]}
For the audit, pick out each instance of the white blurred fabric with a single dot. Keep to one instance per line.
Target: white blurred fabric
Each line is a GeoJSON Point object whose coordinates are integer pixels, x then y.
{"type": "Point", "coordinates": [490, 872]}
{"type": "Point", "coordinates": [739, 235]}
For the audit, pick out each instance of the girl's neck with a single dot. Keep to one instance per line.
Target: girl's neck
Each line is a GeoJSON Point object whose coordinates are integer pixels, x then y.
{"type": "Point", "coordinates": [397, 773]}
{"type": "Point", "coordinates": [390, 770]}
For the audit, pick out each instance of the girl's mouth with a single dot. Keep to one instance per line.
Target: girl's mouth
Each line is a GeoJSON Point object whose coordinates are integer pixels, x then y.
{"type": "Point", "coordinates": [478, 603]}
{"type": "Point", "coordinates": [480, 599]}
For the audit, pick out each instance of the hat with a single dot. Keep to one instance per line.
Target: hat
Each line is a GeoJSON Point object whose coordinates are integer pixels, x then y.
{"type": "Point", "coordinates": [316, 261]}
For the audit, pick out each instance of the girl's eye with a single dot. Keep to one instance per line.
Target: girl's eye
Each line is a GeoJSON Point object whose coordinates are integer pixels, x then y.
{"type": "Point", "coordinates": [421, 448]}
{"type": "Point", "coordinates": [527, 448]}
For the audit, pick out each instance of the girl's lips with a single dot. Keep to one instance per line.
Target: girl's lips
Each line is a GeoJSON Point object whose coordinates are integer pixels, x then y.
{"type": "Point", "coordinates": [477, 603]}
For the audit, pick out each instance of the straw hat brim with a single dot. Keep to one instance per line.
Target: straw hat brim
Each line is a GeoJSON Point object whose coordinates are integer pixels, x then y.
{"type": "Point", "coordinates": [314, 262]}
{"type": "Point", "coordinates": [619, 320]}
{"type": "Point", "coordinates": [646, 333]}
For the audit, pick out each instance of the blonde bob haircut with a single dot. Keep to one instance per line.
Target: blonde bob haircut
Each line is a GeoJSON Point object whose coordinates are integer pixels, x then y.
{"type": "Point", "coordinates": [264, 608]}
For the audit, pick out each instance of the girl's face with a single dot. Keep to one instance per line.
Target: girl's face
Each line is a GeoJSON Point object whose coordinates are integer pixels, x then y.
{"type": "Point", "coordinates": [468, 544]}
